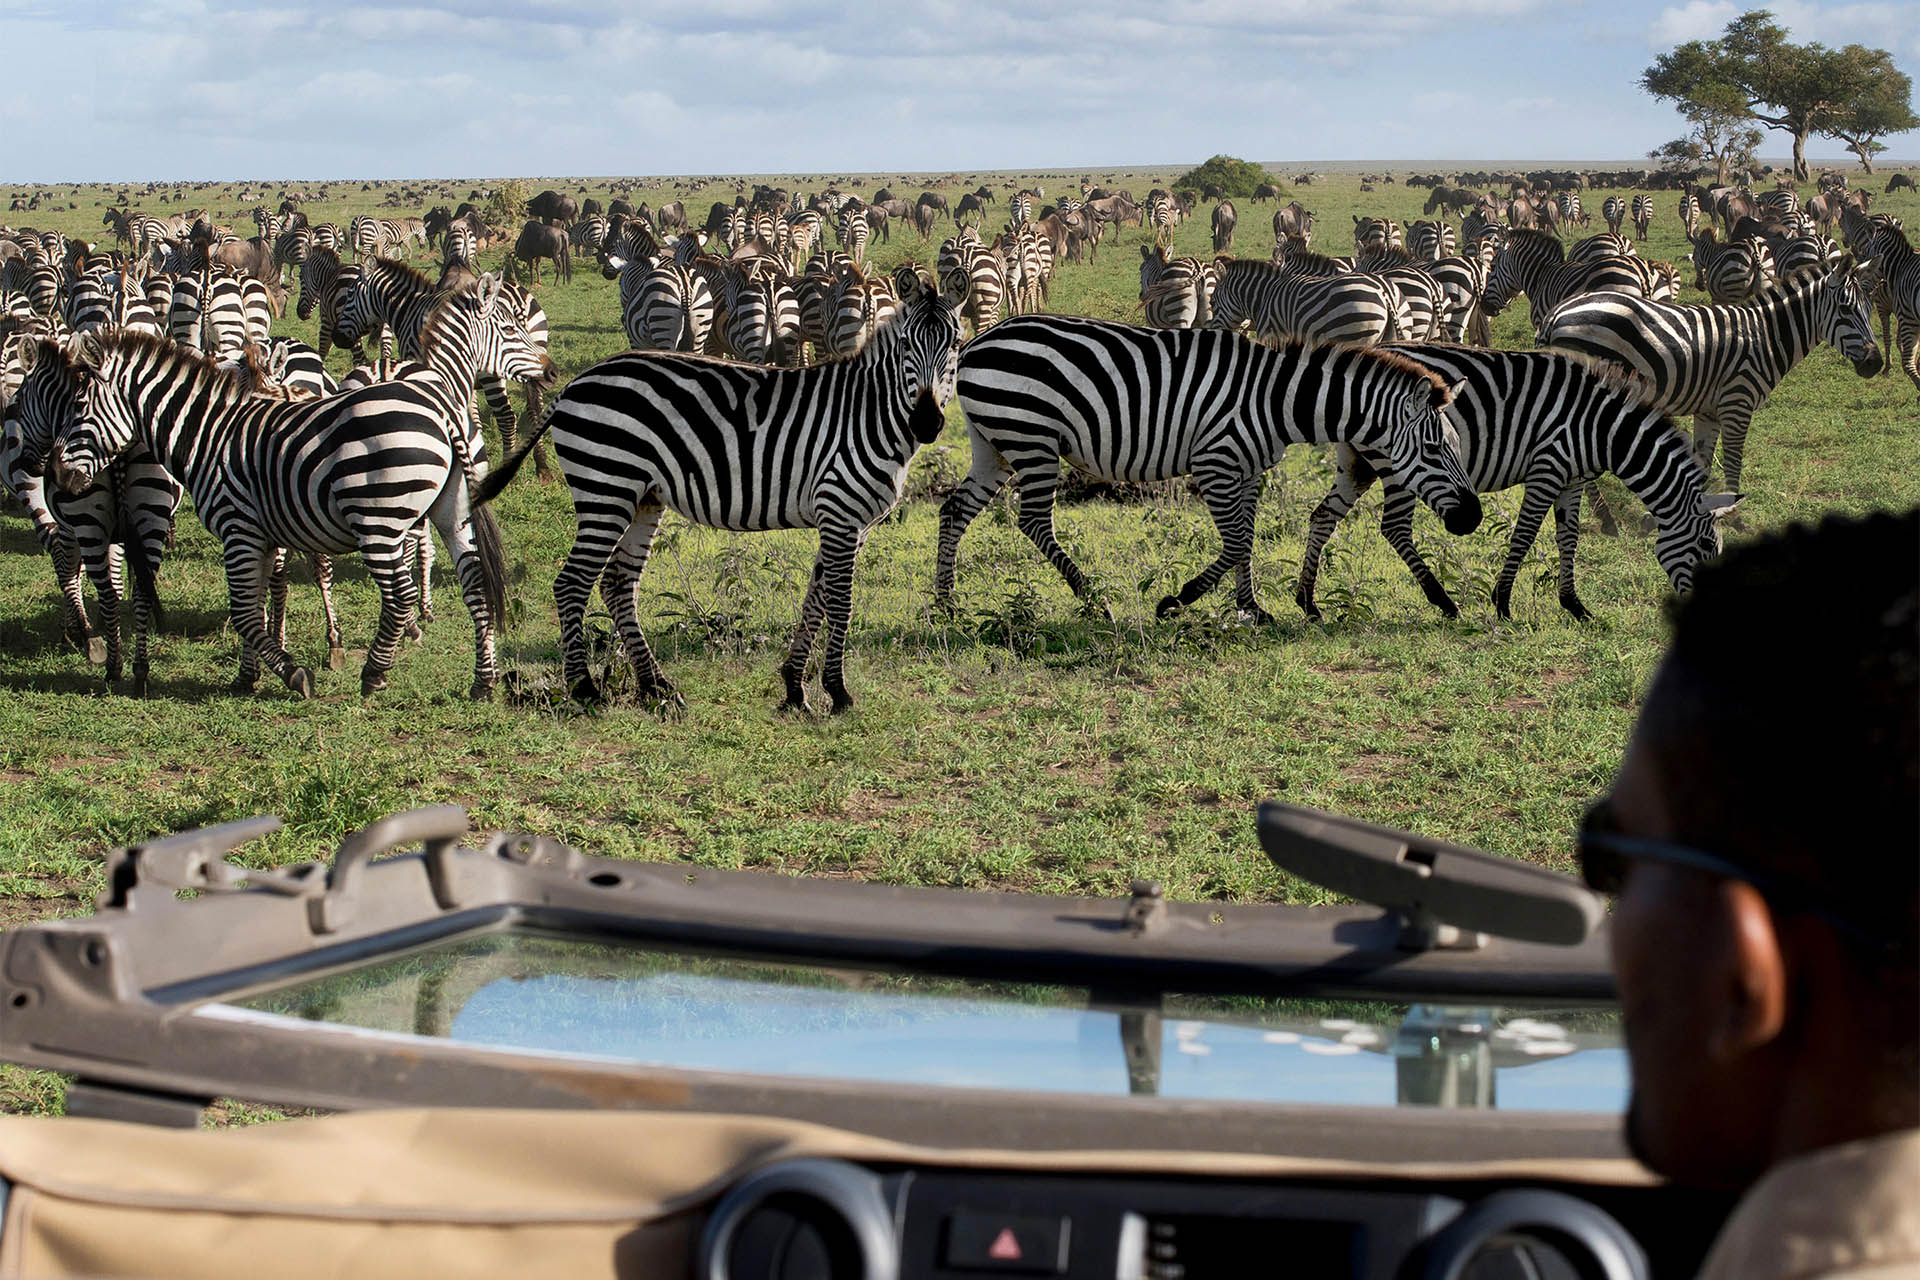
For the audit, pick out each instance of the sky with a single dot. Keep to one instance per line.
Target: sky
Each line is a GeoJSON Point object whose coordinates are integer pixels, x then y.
{"type": "Point", "coordinates": [234, 89]}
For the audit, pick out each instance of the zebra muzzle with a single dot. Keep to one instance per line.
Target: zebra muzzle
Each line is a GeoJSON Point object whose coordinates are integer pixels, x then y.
{"type": "Point", "coordinates": [1870, 364]}
{"type": "Point", "coordinates": [1464, 516]}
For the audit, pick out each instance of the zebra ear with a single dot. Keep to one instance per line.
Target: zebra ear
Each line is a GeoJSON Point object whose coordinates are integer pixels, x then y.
{"type": "Point", "coordinates": [29, 354]}
{"type": "Point", "coordinates": [87, 350]}
{"type": "Point", "coordinates": [1444, 392]}
{"type": "Point", "coordinates": [907, 283]}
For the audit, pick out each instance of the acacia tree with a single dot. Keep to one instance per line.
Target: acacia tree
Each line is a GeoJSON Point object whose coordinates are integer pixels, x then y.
{"type": "Point", "coordinates": [1883, 108]}
{"type": "Point", "coordinates": [1798, 89]}
{"type": "Point", "coordinates": [1721, 137]}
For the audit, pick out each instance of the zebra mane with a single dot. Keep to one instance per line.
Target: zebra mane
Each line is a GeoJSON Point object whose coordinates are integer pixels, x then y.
{"type": "Point", "coordinates": [323, 252]}
{"type": "Point", "coordinates": [1533, 235]}
{"type": "Point", "coordinates": [1383, 356]}
{"type": "Point", "coordinates": [1619, 380]}
{"type": "Point", "coordinates": [433, 329]}
{"type": "Point", "coordinates": [229, 383]}
{"type": "Point", "coordinates": [408, 274]}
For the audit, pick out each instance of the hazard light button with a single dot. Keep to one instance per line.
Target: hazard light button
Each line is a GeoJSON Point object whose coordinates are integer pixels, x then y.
{"type": "Point", "coordinates": [981, 1241]}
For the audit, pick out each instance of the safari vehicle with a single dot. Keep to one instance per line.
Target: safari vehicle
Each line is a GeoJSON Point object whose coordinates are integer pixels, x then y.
{"type": "Point", "coordinates": [542, 1062]}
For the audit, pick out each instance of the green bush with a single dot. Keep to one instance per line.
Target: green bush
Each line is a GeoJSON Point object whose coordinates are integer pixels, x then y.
{"type": "Point", "coordinates": [1235, 176]}
{"type": "Point", "coordinates": [507, 206]}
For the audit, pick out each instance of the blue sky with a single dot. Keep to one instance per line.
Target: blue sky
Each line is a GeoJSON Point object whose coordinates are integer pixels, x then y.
{"type": "Point", "coordinates": [233, 89]}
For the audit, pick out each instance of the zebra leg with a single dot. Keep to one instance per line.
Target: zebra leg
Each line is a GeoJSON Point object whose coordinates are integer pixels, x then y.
{"type": "Point", "coordinates": [1354, 478]}
{"type": "Point", "coordinates": [323, 578]}
{"type": "Point", "coordinates": [420, 562]}
{"type": "Point", "coordinates": [839, 548]}
{"type": "Point", "coordinates": [472, 539]}
{"type": "Point", "coordinates": [987, 477]}
{"type": "Point", "coordinates": [1733, 445]}
{"type": "Point", "coordinates": [249, 569]}
{"type": "Point", "coordinates": [793, 670]}
{"type": "Point", "coordinates": [1566, 532]}
{"type": "Point", "coordinates": [1909, 348]}
{"type": "Point", "coordinates": [600, 531]}
{"type": "Point", "coordinates": [277, 600]}
{"type": "Point", "coordinates": [1706, 432]}
{"type": "Point", "coordinates": [1037, 485]}
{"type": "Point", "coordinates": [104, 564]}
{"type": "Point", "coordinates": [1231, 496]}
{"type": "Point", "coordinates": [65, 554]}
{"type": "Point", "coordinates": [620, 590]}
{"type": "Point", "coordinates": [388, 566]}
{"type": "Point", "coordinates": [1533, 509]}
{"type": "Point", "coordinates": [1396, 522]}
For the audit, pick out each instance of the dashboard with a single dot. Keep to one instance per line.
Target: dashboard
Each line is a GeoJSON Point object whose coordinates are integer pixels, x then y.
{"type": "Point", "coordinates": [837, 1220]}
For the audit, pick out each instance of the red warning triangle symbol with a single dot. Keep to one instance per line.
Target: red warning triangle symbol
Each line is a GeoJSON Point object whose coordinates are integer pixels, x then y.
{"type": "Point", "coordinates": [1004, 1247]}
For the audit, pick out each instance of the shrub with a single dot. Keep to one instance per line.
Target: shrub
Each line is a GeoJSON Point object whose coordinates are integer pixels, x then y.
{"type": "Point", "coordinates": [1235, 176]}
{"type": "Point", "coordinates": [507, 206]}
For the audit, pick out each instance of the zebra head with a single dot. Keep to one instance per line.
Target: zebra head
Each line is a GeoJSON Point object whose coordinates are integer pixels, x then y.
{"type": "Point", "coordinates": [504, 342]}
{"type": "Point", "coordinates": [43, 406]}
{"type": "Point", "coordinates": [926, 333]}
{"type": "Point", "coordinates": [1845, 315]}
{"type": "Point", "coordinates": [1693, 537]}
{"type": "Point", "coordinates": [317, 272]}
{"type": "Point", "coordinates": [1421, 443]}
{"type": "Point", "coordinates": [105, 424]}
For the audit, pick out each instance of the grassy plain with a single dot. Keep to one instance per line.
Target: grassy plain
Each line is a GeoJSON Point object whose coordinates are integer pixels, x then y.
{"type": "Point", "coordinates": [1020, 745]}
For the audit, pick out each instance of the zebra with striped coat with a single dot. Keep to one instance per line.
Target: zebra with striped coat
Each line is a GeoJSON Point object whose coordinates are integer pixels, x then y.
{"type": "Point", "coordinates": [1731, 272]}
{"type": "Point", "coordinates": [122, 520]}
{"type": "Point", "coordinates": [1431, 241]}
{"type": "Point", "coordinates": [1531, 262]}
{"type": "Point", "coordinates": [1275, 303]}
{"type": "Point", "coordinates": [970, 270]}
{"type": "Point", "coordinates": [1720, 363]}
{"type": "Point", "coordinates": [1642, 215]}
{"type": "Point", "coordinates": [1544, 420]}
{"type": "Point", "coordinates": [739, 447]}
{"type": "Point", "coordinates": [1131, 404]}
{"type": "Point", "coordinates": [352, 472]}
{"type": "Point", "coordinates": [1614, 210]}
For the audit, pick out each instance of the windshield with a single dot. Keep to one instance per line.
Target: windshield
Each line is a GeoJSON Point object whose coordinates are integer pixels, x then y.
{"type": "Point", "coordinates": [517, 990]}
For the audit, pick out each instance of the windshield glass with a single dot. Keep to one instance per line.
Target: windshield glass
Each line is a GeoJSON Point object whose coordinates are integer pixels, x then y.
{"type": "Point", "coordinates": [672, 1009]}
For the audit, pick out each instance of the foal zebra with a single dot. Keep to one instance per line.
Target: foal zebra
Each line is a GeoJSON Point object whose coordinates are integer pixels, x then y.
{"type": "Point", "coordinates": [352, 472]}
{"type": "Point", "coordinates": [741, 447]}
{"type": "Point", "coordinates": [1132, 404]}
{"type": "Point", "coordinates": [1544, 420]}
{"type": "Point", "coordinates": [1720, 363]}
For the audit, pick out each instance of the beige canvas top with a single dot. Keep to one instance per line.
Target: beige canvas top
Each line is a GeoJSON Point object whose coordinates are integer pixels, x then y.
{"type": "Point", "coordinates": [456, 1191]}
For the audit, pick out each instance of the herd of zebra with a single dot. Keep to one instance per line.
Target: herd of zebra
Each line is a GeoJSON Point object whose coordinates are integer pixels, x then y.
{"type": "Point", "coordinates": [779, 382]}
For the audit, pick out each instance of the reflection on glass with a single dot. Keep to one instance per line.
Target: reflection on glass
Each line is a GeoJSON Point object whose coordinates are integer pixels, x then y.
{"type": "Point", "coordinates": [661, 1008]}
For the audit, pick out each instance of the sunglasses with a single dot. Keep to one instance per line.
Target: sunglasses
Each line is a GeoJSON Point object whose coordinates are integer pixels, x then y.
{"type": "Point", "coordinates": [1606, 854]}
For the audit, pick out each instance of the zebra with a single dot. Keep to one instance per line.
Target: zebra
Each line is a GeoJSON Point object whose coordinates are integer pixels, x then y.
{"type": "Point", "coordinates": [209, 313]}
{"type": "Point", "coordinates": [1900, 279]}
{"type": "Point", "coordinates": [1349, 308]}
{"type": "Point", "coordinates": [740, 447]}
{"type": "Point", "coordinates": [1642, 215]}
{"type": "Point", "coordinates": [1020, 208]}
{"type": "Point", "coordinates": [460, 246]}
{"type": "Point", "coordinates": [1372, 236]}
{"type": "Point", "coordinates": [87, 304]}
{"type": "Point", "coordinates": [1567, 203]}
{"type": "Point", "coordinates": [1865, 236]}
{"type": "Point", "coordinates": [1720, 363]}
{"type": "Point", "coordinates": [763, 320]}
{"type": "Point", "coordinates": [324, 281]}
{"type": "Point", "coordinates": [1614, 210]}
{"type": "Point", "coordinates": [1777, 206]}
{"type": "Point", "coordinates": [1161, 216]}
{"type": "Point", "coordinates": [1731, 272]}
{"type": "Point", "coordinates": [588, 234]}
{"type": "Point", "coordinates": [122, 519]}
{"type": "Point", "coordinates": [1689, 214]}
{"type": "Point", "coordinates": [372, 237]}
{"type": "Point", "coordinates": [854, 231]}
{"type": "Point", "coordinates": [1544, 420]}
{"type": "Point", "coordinates": [1126, 403]}
{"type": "Point", "coordinates": [1531, 262]}
{"type": "Point", "coordinates": [352, 472]}
{"type": "Point", "coordinates": [1607, 244]}
{"type": "Point", "coordinates": [1175, 293]}
{"type": "Point", "coordinates": [1431, 241]}
{"type": "Point", "coordinates": [970, 270]}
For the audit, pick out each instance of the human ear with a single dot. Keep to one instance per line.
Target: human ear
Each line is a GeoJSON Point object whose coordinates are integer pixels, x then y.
{"type": "Point", "coordinates": [1753, 978]}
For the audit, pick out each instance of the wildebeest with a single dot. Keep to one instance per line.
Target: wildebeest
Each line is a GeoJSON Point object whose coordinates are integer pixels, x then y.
{"type": "Point", "coordinates": [1224, 219]}
{"type": "Point", "coordinates": [1899, 181]}
{"type": "Point", "coordinates": [1292, 220]}
{"type": "Point", "coordinates": [933, 200]}
{"type": "Point", "coordinates": [969, 204]}
{"type": "Point", "coordinates": [589, 207]}
{"type": "Point", "coordinates": [538, 240]}
{"type": "Point", "coordinates": [924, 217]}
{"type": "Point", "coordinates": [1265, 191]}
{"type": "Point", "coordinates": [621, 207]}
{"type": "Point", "coordinates": [671, 216]}
{"type": "Point", "coordinates": [1455, 200]}
{"type": "Point", "coordinates": [252, 257]}
{"type": "Point", "coordinates": [552, 207]}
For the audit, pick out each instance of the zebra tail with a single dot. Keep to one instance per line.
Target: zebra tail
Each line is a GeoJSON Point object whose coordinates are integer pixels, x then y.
{"type": "Point", "coordinates": [501, 476]}
{"type": "Point", "coordinates": [493, 562]}
{"type": "Point", "coordinates": [146, 572]}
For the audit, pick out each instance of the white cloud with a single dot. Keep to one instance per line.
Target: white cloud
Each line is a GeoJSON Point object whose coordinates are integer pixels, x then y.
{"type": "Point", "coordinates": [1695, 20]}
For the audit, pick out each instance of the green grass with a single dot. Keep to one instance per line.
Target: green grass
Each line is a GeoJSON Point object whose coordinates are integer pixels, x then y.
{"type": "Point", "coordinates": [1020, 745]}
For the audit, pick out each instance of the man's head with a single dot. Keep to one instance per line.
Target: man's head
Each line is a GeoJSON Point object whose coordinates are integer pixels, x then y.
{"type": "Point", "coordinates": [1773, 1006]}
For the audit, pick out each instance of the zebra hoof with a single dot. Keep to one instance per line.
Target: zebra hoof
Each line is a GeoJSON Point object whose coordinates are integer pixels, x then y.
{"type": "Point", "coordinates": [372, 682]}
{"type": "Point", "coordinates": [585, 692]}
{"type": "Point", "coordinates": [1437, 597]}
{"type": "Point", "coordinates": [482, 691]}
{"type": "Point", "coordinates": [1257, 616]}
{"type": "Point", "coordinates": [414, 633]}
{"type": "Point", "coordinates": [1095, 607]}
{"type": "Point", "coordinates": [243, 684]}
{"type": "Point", "coordinates": [1168, 606]}
{"type": "Point", "coordinates": [796, 705]}
{"type": "Point", "coordinates": [114, 671]}
{"type": "Point", "coordinates": [300, 681]}
{"type": "Point", "coordinates": [1503, 606]}
{"type": "Point", "coordinates": [666, 702]}
{"type": "Point", "coordinates": [139, 689]}
{"type": "Point", "coordinates": [1573, 606]}
{"type": "Point", "coordinates": [96, 650]}
{"type": "Point", "coordinates": [336, 658]}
